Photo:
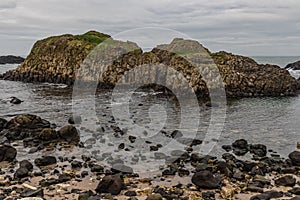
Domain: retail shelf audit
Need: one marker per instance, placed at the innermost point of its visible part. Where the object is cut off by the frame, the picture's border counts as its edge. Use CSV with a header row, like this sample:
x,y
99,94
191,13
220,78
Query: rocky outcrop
x,y
293,66
55,59
11,60
35,131
58,59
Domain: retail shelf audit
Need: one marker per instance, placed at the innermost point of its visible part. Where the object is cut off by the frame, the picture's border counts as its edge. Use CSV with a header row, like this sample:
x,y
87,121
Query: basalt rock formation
x,y
293,66
11,59
62,59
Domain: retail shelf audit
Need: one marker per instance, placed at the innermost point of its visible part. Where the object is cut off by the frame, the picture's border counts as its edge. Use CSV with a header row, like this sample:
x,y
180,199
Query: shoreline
x,y
201,176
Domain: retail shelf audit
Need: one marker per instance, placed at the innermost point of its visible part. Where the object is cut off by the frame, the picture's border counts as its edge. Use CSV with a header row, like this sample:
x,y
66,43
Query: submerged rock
x,y
15,100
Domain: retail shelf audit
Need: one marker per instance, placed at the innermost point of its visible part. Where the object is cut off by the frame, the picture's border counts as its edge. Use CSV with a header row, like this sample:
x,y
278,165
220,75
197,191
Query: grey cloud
x,y
7,4
254,27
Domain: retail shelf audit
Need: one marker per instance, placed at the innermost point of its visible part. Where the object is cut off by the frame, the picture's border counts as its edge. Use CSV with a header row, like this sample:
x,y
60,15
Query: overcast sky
x,y
256,27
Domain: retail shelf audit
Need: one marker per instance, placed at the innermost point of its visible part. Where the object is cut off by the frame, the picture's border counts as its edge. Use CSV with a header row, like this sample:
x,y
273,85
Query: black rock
x,y
206,180
7,153
295,157
45,161
240,144
238,175
176,134
24,127
76,164
48,134
97,168
286,181
183,172
21,173
75,120
254,188
15,100
110,184
267,195
208,195
258,149
227,147
121,146
240,152
228,157
295,191
293,66
26,164
153,148
132,138
130,193
83,196
225,169
211,104
84,174
69,133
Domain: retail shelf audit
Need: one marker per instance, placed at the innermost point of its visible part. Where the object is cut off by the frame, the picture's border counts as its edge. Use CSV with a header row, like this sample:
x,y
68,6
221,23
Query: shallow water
x,y
270,121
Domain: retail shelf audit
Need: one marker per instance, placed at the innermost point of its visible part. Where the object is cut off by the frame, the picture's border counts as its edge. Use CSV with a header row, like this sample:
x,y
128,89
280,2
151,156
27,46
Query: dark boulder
x,y
45,161
7,153
21,173
110,184
240,144
206,180
24,126
15,100
75,120
258,150
295,157
48,134
26,164
293,66
240,147
69,133
267,195
286,181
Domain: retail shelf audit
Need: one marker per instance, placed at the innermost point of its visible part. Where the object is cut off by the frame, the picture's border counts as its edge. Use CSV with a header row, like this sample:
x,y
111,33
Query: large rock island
x,y
56,59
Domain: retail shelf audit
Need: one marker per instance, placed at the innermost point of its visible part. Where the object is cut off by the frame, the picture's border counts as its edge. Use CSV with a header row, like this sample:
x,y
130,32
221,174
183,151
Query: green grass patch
x,y
93,37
